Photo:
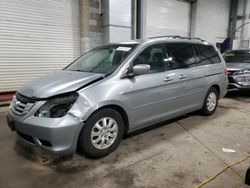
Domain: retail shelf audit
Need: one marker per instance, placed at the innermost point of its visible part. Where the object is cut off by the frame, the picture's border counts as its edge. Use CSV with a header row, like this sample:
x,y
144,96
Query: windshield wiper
x,y
106,75
79,70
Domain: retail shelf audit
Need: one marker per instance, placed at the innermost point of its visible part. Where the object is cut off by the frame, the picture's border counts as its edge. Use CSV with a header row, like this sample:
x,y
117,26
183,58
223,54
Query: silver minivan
x,y
115,89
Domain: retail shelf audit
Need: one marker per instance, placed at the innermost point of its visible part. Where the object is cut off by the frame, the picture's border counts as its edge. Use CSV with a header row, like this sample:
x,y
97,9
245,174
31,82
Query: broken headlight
x,y
57,107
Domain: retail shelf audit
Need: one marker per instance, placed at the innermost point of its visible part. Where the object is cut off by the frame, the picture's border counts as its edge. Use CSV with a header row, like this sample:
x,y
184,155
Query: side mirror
x,y
141,69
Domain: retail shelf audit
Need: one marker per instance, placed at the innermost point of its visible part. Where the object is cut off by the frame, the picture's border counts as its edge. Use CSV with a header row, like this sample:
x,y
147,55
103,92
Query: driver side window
x,y
154,56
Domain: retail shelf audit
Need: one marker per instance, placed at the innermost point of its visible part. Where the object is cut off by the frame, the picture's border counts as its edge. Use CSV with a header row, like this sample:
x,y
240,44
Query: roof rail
x,y
166,36
177,37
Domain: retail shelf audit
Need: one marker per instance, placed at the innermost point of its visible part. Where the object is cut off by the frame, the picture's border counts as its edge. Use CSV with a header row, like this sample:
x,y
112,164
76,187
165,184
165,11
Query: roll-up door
x,y
36,38
166,17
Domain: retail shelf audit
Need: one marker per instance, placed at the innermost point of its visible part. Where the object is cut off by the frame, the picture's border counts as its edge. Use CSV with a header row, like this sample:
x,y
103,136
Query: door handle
x,y
182,76
168,79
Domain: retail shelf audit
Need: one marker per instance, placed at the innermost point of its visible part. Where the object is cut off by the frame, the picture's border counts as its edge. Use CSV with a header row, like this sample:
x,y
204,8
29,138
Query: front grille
x,y
21,105
231,74
231,80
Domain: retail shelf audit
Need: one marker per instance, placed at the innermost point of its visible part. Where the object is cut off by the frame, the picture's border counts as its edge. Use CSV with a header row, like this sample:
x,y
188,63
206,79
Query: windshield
x,y
103,60
237,57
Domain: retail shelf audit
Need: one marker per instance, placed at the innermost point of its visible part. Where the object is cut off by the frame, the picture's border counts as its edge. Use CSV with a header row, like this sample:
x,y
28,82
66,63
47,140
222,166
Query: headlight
x,y
12,101
57,107
242,79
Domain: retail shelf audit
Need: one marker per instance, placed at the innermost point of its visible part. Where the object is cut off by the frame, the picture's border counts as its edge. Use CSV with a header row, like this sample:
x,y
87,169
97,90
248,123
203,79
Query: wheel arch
x,y
119,109
217,87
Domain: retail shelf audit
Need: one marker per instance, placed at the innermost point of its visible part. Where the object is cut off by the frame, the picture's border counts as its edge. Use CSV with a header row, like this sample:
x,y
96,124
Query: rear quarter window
x,y
206,54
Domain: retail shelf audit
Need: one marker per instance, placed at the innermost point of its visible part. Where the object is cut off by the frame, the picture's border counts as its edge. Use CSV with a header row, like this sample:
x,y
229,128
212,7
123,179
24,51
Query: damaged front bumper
x,y
58,135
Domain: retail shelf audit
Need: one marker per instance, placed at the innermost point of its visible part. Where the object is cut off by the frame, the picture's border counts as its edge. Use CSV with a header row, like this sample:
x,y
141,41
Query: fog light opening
x,y
45,143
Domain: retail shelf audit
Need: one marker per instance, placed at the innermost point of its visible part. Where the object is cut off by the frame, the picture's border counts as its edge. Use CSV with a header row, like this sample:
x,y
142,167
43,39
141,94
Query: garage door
x,y
166,17
36,37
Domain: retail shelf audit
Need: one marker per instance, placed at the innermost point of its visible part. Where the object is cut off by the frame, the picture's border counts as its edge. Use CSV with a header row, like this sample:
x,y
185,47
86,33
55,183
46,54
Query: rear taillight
x,y
225,71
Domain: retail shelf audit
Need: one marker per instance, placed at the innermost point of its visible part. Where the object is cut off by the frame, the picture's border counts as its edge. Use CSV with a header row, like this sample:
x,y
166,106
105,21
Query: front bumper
x,y
57,135
233,86
237,87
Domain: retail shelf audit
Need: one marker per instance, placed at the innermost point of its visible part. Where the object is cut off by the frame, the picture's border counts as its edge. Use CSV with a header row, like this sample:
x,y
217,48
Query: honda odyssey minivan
x,y
115,89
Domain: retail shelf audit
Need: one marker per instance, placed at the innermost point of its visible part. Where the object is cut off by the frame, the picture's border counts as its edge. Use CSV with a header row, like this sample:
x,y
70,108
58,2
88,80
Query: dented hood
x,y
57,83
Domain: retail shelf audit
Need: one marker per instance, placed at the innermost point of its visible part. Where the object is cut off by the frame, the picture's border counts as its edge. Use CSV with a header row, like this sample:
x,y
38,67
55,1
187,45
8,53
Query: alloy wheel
x,y
104,133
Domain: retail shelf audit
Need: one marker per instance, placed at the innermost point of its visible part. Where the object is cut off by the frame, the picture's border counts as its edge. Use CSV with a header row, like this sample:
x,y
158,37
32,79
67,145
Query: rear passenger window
x,y
180,55
206,55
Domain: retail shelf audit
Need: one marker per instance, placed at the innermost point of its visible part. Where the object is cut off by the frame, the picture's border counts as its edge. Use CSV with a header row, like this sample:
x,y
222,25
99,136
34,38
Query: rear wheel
x,y
210,102
101,134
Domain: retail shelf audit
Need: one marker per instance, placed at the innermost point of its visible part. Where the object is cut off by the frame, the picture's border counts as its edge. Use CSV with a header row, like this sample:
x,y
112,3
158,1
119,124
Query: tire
x,y
97,140
209,108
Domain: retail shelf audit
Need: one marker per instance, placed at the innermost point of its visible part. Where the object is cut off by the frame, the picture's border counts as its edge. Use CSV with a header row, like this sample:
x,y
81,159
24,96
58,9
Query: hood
x,y
57,83
237,66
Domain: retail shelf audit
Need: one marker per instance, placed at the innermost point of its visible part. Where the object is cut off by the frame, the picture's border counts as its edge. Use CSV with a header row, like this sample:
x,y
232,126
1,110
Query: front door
x,y
151,97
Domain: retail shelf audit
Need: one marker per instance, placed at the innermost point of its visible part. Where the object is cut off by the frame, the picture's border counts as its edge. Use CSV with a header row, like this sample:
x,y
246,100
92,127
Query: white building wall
x,y
246,28
210,20
242,29
116,20
90,24
240,33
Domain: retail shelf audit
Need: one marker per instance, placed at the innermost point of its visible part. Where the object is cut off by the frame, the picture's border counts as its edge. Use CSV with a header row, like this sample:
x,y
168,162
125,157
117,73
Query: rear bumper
x,y
57,135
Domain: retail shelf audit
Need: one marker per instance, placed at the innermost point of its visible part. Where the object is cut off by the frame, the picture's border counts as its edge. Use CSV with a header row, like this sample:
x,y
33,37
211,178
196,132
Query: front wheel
x,y
210,102
101,134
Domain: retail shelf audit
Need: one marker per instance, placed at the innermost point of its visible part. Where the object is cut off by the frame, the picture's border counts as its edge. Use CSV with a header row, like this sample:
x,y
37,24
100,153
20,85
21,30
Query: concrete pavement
x,y
179,153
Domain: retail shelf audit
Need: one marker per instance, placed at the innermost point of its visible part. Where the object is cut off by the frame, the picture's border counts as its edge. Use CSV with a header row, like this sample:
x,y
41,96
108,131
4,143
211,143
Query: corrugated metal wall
x,y
210,20
36,37
166,17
